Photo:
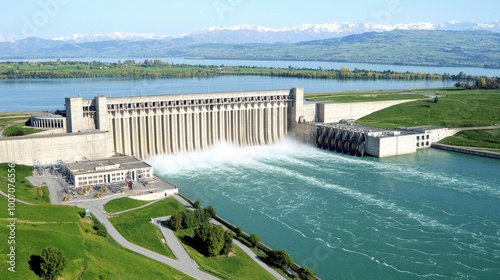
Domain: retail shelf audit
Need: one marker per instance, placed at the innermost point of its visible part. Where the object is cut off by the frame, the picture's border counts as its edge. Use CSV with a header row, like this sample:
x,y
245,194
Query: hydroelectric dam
x,y
146,126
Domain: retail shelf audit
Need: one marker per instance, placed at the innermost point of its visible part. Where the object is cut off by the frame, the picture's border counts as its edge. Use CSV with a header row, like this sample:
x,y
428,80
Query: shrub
x,y
52,263
280,258
175,222
213,240
99,228
254,240
306,273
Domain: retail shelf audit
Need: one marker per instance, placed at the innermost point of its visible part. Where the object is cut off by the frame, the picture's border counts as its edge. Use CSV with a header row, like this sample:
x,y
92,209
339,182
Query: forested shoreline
x,y
160,69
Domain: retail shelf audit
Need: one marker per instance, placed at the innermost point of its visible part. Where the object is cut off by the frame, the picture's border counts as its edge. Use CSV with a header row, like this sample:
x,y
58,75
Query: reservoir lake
x,y
430,215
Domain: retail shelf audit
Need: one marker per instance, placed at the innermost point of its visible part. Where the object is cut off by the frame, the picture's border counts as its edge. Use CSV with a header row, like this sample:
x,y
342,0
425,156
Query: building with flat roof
x,y
113,170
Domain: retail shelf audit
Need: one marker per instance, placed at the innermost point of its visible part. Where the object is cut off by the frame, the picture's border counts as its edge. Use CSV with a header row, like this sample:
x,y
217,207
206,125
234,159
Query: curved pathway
x,y
97,209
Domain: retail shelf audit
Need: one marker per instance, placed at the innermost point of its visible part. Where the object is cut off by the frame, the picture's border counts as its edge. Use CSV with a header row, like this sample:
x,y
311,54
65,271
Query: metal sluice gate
x,y
341,139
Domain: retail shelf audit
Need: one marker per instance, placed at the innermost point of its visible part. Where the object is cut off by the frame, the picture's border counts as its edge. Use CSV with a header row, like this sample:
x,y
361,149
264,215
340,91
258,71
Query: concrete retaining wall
x,y
49,149
334,112
155,195
466,151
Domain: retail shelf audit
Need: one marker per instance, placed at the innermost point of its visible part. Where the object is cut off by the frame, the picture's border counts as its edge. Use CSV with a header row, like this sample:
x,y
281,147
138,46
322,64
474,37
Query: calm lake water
x,y
432,215
49,94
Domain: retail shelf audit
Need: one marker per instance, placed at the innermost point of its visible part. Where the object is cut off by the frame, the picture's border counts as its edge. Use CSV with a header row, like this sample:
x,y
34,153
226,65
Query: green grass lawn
x,y
239,266
19,127
24,190
88,256
455,108
475,138
136,228
123,203
10,123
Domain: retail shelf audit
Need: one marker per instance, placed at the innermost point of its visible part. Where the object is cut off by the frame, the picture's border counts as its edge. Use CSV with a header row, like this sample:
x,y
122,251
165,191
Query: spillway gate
x,y
342,139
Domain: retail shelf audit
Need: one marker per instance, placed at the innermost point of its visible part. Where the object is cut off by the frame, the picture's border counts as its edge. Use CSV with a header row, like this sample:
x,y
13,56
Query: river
x,y
433,214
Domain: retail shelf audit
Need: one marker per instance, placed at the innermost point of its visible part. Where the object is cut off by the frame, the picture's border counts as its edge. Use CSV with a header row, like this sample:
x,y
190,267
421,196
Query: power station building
x,y
114,170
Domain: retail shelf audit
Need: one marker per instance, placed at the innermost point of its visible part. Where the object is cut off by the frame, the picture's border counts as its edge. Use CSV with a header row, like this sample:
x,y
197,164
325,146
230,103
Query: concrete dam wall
x,y
145,126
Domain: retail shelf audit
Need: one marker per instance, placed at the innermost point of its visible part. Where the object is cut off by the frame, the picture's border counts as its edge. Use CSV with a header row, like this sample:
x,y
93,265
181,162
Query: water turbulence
x,y
429,215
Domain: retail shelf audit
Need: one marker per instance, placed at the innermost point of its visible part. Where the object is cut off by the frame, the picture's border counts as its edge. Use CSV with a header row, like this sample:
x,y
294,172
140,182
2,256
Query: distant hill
x,y
403,47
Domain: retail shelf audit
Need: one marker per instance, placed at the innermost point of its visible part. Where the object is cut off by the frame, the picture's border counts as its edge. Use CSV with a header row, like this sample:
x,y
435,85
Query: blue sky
x,y
51,18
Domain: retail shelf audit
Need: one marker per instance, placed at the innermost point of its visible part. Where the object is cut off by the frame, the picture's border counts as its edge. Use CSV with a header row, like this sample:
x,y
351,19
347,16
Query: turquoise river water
x,y
433,214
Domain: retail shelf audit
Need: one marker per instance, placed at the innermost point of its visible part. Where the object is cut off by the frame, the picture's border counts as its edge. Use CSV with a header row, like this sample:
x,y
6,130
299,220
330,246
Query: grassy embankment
x,y
454,108
136,228
485,139
10,125
88,255
239,266
123,203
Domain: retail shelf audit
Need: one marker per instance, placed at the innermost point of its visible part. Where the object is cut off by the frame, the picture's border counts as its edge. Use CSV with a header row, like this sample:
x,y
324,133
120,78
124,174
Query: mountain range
x,y
244,34
451,44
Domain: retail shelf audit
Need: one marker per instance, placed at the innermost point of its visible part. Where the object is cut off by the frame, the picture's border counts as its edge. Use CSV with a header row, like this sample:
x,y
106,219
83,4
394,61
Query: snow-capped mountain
x,y
243,34
115,35
8,39
306,32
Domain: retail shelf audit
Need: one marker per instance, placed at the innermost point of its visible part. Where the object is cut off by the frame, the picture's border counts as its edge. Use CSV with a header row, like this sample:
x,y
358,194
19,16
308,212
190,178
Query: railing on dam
x,y
342,139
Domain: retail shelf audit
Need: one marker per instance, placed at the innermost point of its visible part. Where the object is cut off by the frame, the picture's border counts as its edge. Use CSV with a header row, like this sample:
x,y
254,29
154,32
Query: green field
x,y
10,123
19,127
88,256
489,139
24,190
239,266
454,108
123,203
136,228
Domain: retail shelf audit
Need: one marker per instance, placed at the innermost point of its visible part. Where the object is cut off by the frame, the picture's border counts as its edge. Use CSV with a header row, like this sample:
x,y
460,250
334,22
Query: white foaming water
x,y
224,154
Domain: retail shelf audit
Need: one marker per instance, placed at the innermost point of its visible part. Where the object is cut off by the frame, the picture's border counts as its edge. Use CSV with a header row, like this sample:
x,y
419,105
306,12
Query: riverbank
x,y
466,150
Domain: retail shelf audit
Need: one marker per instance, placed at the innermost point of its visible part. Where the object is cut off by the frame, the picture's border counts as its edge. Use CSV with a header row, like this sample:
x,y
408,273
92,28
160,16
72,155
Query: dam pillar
x,y
74,114
101,118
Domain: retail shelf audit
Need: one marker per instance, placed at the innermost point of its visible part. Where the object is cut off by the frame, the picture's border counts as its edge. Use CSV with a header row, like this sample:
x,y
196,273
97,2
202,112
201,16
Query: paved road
x,y
96,207
174,244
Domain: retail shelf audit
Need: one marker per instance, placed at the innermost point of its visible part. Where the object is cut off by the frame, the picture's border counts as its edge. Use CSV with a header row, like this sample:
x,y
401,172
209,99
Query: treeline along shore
x,y
160,69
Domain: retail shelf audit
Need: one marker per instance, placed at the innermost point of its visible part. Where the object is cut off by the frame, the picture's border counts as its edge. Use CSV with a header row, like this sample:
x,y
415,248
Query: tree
x,y
254,240
197,204
210,212
238,231
280,258
175,222
52,263
188,219
228,243
306,273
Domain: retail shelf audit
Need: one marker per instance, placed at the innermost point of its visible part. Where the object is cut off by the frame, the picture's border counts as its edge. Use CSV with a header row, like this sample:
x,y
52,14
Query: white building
x,y
114,170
